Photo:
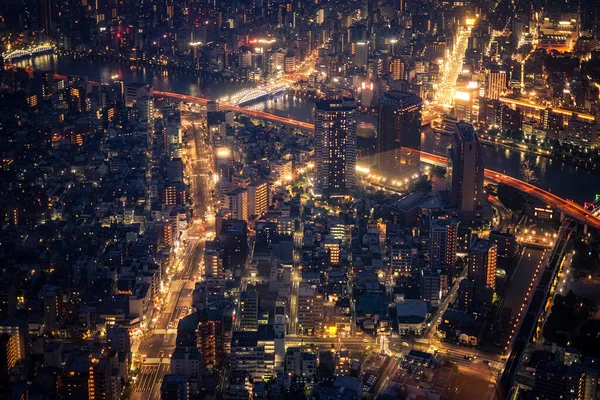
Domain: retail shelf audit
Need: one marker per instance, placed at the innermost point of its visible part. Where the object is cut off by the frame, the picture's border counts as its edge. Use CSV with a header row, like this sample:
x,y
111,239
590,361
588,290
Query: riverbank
x,y
533,150
562,178
157,66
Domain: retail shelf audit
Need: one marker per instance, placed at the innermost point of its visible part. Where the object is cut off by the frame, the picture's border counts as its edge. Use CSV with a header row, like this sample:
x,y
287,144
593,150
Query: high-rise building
x,y
397,68
236,202
398,134
174,387
222,159
51,308
401,259
213,260
187,361
466,104
46,17
215,124
431,286
253,352
443,242
135,92
473,297
8,353
464,238
335,146
210,337
310,309
482,262
164,232
361,54
145,106
258,198
13,346
495,82
175,170
248,311
233,237
466,169
332,250
104,381
205,31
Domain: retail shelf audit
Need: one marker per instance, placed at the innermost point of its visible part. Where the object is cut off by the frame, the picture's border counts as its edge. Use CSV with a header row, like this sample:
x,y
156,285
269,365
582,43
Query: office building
x,y
51,309
300,364
135,92
495,82
466,104
431,286
175,170
443,242
253,352
215,125
145,107
75,377
205,31
465,170
398,134
473,297
222,159
505,242
310,310
233,237
335,147
401,259
248,311
482,262
213,260
174,387
361,54
187,361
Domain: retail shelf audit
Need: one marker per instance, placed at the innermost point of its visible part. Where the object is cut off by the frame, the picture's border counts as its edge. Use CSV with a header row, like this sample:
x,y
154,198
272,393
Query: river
x,y
565,180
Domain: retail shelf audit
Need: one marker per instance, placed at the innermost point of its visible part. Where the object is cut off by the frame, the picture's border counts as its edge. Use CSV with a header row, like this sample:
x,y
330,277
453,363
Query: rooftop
x,y
346,104
465,131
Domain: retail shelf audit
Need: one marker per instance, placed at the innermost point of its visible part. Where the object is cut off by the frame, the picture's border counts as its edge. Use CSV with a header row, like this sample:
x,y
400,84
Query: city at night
x,y
300,199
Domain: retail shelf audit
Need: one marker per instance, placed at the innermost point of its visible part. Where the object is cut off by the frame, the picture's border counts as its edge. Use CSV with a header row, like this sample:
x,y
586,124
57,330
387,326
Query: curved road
x,y
568,207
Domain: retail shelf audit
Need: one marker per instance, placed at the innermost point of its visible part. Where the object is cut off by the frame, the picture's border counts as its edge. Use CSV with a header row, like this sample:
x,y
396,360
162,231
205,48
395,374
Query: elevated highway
x,y
568,207
251,113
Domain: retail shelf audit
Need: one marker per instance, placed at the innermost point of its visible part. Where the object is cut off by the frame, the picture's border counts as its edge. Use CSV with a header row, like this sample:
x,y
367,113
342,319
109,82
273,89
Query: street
x,y
155,347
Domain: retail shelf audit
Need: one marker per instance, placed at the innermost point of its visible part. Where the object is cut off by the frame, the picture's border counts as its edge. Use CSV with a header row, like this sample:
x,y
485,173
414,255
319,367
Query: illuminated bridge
x,y
28,52
570,208
251,113
248,95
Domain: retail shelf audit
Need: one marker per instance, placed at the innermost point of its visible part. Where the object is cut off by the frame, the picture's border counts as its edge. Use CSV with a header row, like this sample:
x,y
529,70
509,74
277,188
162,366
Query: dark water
x,y
562,179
